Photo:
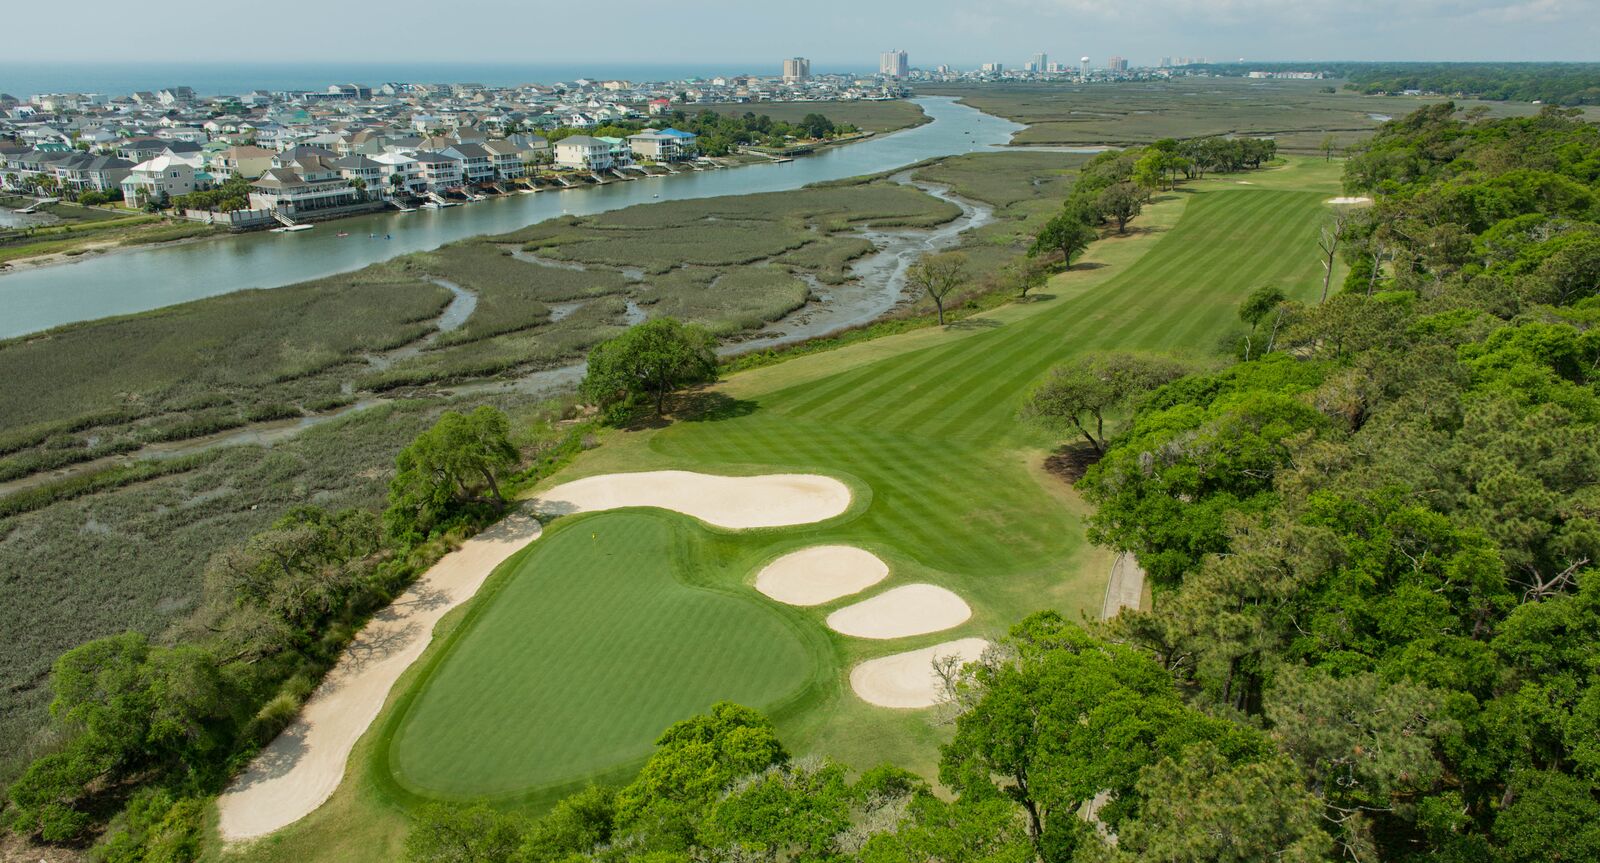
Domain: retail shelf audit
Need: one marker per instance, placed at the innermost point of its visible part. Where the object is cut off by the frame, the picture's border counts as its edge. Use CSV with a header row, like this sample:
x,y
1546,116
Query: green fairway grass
x,y
934,434
926,420
610,628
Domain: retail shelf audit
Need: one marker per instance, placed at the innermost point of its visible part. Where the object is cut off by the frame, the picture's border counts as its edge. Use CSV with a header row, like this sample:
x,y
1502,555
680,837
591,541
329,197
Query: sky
x,y
837,34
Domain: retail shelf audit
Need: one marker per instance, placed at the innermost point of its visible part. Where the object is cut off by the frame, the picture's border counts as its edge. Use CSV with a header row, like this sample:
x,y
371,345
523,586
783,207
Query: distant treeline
x,y
1551,83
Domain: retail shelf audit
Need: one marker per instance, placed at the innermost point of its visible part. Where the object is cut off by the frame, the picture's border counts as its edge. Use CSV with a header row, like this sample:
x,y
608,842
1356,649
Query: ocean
x,y
227,79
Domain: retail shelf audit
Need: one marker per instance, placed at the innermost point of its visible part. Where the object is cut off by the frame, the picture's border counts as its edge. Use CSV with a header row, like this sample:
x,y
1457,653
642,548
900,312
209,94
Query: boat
x,y
431,205
343,234
408,209
289,229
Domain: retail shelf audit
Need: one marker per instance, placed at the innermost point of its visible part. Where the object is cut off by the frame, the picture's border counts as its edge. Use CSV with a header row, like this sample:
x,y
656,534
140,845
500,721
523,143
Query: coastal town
x,y
282,159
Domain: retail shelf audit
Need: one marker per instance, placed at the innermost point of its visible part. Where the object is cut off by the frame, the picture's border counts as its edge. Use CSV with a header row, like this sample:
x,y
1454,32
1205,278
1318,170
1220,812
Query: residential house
x,y
356,168
85,172
437,171
477,163
506,158
664,145
164,176
582,151
241,161
292,193
621,154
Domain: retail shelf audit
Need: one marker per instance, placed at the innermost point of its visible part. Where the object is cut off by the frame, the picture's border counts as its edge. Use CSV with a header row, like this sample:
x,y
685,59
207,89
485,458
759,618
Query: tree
x,y
1065,232
447,466
937,276
1553,819
576,825
651,360
1082,390
1328,240
695,761
1055,718
1029,273
1328,145
1121,201
1364,744
449,833
790,811
1202,809
1150,172
1262,302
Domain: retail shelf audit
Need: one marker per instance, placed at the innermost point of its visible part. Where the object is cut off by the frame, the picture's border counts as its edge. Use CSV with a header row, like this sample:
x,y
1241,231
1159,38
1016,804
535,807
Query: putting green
x,y
594,642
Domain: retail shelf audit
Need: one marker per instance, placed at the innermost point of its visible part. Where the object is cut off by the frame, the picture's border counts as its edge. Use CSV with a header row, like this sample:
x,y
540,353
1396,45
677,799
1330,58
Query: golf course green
x,y
950,490
605,629
618,624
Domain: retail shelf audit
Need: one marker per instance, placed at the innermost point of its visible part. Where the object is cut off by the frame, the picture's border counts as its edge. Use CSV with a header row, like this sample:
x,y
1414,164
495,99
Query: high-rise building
x,y
1041,61
1116,65
1166,62
894,64
796,69
992,68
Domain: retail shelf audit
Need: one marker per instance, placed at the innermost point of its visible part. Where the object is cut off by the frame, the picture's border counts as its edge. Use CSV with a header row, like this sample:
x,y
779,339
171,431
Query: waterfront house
x,y
477,163
582,151
356,167
242,161
620,153
438,171
292,194
162,177
86,172
506,158
664,145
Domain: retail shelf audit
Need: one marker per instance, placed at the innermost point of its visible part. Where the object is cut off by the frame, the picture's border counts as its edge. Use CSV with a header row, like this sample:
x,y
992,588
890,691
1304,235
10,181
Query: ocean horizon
x,y
230,79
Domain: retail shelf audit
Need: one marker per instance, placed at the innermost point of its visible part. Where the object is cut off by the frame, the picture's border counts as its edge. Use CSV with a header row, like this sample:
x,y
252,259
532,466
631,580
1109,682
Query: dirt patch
x,y
1072,461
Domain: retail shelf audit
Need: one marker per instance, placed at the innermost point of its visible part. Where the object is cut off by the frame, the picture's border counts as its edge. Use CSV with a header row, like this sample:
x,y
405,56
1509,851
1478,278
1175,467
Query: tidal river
x,y
134,281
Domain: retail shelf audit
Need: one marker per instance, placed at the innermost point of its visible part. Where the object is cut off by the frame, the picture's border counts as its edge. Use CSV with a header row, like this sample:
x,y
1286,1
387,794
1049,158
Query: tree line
x,y
722,134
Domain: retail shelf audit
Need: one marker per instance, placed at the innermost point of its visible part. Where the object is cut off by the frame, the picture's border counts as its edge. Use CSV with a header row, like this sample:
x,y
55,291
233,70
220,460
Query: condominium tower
x,y
796,69
894,64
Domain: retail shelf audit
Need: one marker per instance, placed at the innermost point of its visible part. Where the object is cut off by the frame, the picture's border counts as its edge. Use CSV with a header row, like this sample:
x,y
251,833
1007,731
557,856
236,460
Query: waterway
x,y
124,282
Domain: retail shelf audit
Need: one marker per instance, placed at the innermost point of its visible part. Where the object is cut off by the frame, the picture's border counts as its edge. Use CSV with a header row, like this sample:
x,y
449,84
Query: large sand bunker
x,y
300,769
821,573
773,500
914,609
908,680
1359,199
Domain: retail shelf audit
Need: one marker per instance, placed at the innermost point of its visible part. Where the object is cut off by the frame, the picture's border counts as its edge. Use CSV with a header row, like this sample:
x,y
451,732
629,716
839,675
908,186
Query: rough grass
x,y
727,302
512,295
226,347
1297,113
571,635
130,555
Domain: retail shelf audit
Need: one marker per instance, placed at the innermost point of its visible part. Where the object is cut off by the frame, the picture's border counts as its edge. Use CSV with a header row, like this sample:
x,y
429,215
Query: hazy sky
x,y
834,33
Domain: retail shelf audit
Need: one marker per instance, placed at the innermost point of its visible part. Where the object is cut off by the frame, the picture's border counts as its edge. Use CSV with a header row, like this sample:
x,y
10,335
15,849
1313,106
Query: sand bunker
x,y
773,500
822,573
914,609
908,680
302,767
1363,199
